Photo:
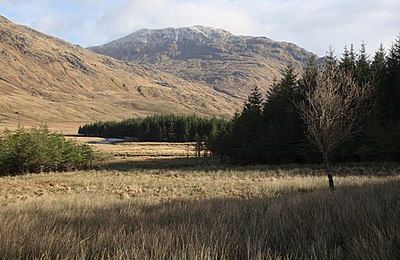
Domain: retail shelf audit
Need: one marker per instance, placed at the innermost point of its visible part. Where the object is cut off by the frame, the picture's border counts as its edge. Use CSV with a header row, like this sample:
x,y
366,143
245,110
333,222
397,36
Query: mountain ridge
x,y
229,63
47,79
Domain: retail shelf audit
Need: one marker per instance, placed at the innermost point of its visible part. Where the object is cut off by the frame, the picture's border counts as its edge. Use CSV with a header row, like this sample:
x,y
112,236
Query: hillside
x,y
45,79
229,63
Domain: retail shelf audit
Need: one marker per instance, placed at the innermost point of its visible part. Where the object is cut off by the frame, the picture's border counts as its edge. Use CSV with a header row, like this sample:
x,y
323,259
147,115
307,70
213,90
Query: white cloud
x,y
137,14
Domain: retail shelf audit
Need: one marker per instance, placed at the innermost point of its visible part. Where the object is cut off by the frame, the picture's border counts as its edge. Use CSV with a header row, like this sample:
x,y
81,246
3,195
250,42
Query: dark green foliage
x,y
267,131
348,61
220,141
246,129
362,73
39,150
380,138
391,95
283,136
158,128
271,131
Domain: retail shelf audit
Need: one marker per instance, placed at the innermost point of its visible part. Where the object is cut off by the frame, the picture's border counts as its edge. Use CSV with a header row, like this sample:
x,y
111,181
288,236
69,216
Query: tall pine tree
x,y
392,89
283,134
363,74
347,62
246,130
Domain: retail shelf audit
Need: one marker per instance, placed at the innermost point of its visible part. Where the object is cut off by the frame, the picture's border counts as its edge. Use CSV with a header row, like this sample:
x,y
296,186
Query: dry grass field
x,y
173,207
138,150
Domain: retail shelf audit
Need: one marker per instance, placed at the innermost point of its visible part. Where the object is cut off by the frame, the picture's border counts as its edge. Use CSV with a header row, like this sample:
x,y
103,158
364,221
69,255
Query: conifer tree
x,y
392,85
363,67
246,129
391,98
378,74
353,56
254,103
347,62
282,124
378,65
309,76
372,140
330,58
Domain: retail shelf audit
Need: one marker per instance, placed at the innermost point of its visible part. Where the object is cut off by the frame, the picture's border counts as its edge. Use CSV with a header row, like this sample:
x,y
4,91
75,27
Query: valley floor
x,y
185,208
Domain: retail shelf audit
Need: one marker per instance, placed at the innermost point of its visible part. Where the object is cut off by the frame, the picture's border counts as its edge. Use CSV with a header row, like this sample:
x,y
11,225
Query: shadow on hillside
x,y
352,222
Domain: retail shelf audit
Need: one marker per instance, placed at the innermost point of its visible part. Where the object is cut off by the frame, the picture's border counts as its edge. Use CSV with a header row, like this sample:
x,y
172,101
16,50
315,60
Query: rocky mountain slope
x,y
229,63
45,79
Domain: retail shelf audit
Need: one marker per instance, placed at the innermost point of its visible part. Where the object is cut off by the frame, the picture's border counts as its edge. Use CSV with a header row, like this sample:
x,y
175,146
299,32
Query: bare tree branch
x,y
332,108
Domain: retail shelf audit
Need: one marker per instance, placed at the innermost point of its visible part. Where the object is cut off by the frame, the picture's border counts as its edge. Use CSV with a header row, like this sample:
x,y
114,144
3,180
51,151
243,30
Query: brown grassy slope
x,y
230,63
46,79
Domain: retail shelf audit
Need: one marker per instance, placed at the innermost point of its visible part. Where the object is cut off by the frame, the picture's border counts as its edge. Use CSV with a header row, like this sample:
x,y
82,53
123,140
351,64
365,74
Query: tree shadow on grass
x,y
352,222
211,165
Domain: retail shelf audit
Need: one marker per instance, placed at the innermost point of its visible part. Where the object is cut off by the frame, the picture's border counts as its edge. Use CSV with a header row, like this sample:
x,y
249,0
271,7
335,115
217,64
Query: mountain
x,y
45,79
229,63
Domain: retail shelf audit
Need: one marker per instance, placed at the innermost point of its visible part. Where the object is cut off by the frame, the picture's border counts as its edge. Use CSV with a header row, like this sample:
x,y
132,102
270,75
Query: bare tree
x,y
332,107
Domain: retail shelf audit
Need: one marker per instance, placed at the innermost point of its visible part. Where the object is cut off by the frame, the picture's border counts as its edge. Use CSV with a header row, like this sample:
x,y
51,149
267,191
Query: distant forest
x,y
270,129
158,128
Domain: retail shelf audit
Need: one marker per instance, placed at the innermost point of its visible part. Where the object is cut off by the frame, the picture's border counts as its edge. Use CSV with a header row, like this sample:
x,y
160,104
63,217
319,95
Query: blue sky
x,y
313,24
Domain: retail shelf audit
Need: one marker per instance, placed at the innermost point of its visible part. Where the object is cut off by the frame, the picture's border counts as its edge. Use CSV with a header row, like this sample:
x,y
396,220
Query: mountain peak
x,y
206,30
229,63
174,34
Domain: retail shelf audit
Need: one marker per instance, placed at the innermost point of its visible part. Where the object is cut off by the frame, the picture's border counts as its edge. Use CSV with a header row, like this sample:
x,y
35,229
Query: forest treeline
x,y
157,128
271,130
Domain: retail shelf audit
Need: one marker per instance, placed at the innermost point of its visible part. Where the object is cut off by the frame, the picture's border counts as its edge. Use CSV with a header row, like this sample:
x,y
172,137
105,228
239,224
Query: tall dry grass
x,y
220,214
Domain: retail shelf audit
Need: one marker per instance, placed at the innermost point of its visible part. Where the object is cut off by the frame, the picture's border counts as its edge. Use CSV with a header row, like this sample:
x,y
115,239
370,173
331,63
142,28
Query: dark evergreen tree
x,y
347,150
372,139
378,68
392,86
309,76
362,73
308,81
246,130
283,134
391,98
330,58
219,141
347,62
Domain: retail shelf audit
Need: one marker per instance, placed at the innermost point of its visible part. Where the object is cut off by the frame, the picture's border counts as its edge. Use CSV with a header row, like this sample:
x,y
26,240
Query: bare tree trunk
x,y
328,171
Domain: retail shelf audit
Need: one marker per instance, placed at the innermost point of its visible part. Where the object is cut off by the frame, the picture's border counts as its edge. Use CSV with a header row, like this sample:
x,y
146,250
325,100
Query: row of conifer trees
x,y
269,129
157,128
